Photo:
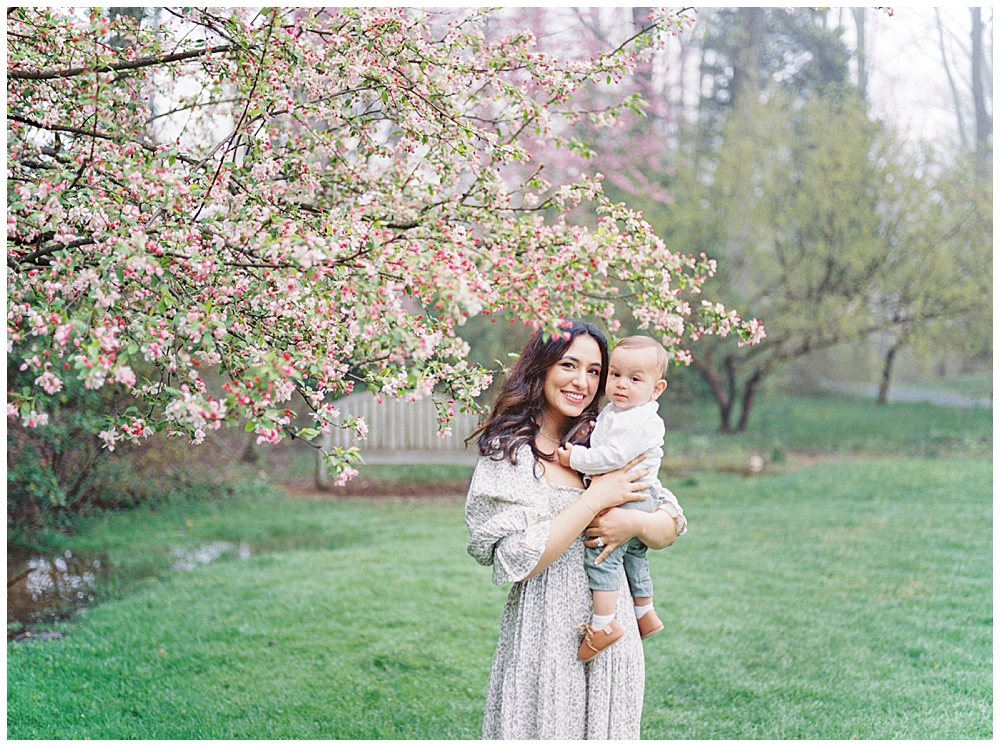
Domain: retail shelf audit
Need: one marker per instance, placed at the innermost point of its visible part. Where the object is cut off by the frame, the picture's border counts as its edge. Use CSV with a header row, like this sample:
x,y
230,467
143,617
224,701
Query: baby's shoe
x,y
649,624
595,641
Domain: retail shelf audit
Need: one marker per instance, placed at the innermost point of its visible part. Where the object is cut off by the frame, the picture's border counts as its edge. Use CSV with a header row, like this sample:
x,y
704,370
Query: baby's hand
x,y
563,455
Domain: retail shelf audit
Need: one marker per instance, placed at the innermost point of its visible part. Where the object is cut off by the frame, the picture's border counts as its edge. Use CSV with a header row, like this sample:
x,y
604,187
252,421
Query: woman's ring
x,y
600,542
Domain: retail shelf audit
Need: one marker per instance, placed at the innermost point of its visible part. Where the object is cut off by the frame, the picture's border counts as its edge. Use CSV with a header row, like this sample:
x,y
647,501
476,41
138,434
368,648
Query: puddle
x,y
45,589
48,588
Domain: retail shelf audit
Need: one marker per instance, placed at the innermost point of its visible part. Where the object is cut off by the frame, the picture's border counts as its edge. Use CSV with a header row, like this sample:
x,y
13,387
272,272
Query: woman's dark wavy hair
x,y
515,415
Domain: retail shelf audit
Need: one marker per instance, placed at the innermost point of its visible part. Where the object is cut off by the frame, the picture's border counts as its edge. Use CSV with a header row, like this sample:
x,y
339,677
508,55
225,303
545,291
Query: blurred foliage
x,y
791,205
830,229
940,287
49,466
788,51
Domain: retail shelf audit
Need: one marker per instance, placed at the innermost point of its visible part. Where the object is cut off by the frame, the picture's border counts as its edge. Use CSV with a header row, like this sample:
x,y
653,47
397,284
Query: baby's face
x,y
633,378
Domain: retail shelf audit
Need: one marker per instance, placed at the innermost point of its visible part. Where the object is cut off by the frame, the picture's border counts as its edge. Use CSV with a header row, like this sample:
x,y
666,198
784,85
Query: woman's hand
x,y
615,488
609,529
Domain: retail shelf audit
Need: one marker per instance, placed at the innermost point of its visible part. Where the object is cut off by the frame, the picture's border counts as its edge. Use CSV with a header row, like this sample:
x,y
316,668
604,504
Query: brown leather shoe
x,y
595,641
649,624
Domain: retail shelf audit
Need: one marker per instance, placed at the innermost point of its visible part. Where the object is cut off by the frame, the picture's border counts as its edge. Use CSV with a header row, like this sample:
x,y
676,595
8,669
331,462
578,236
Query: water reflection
x,y
53,588
188,560
48,588
47,580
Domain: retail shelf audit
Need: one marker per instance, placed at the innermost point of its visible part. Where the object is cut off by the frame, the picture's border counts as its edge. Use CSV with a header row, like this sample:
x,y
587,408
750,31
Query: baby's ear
x,y
659,387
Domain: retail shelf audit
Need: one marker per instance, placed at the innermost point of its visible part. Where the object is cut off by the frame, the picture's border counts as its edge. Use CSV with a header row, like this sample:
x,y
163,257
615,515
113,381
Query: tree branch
x,y
95,133
134,65
46,250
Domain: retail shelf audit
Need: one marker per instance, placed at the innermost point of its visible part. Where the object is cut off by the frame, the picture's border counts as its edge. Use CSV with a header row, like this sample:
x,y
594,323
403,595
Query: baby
x,y
627,427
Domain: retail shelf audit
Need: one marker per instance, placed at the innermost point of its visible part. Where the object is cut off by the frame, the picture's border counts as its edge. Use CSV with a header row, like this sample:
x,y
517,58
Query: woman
x,y
526,514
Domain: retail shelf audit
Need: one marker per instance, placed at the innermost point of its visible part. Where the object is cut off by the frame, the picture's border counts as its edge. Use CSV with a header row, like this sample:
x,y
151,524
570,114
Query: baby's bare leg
x,y
605,602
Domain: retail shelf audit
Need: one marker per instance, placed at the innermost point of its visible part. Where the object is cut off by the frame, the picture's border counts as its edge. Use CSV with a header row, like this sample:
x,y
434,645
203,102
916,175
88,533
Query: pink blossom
x,y
49,382
34,419
346,474
109,438
125,376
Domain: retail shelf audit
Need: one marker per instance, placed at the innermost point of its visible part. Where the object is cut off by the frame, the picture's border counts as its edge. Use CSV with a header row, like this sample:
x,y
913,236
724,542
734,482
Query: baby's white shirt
x,y
619,436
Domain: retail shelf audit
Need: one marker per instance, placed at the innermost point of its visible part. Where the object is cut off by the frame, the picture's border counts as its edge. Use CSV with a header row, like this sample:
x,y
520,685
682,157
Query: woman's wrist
x,y
586,503
596,497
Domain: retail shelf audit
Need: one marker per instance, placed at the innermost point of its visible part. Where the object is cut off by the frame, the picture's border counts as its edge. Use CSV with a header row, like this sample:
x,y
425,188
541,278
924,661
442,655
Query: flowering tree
x,y
630,150
305,201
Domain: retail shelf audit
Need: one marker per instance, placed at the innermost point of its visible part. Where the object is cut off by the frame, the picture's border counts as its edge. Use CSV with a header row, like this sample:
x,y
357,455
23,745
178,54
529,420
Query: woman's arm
x,y
605,491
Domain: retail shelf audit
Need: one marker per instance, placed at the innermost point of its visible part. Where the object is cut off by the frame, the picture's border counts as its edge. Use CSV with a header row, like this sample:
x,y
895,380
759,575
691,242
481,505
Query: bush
x,y
59,470
48,466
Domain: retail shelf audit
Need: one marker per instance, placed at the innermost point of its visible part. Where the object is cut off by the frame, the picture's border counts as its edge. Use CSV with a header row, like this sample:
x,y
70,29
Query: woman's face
x,y
572,383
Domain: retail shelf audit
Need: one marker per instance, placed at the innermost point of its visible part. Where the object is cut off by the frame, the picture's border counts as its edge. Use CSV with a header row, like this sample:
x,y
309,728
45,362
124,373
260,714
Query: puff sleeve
x,y
668,503
508,528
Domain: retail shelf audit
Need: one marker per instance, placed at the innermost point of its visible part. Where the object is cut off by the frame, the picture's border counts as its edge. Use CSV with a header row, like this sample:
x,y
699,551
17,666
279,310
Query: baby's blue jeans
x,y
631,555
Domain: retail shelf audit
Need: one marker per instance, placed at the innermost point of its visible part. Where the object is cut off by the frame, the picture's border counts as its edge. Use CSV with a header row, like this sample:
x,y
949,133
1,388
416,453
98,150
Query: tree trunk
x,y
883,387
861,53
725,414
984,124
250,455
322,478
640,17
711,375
731,377
749,396
750,58
951,82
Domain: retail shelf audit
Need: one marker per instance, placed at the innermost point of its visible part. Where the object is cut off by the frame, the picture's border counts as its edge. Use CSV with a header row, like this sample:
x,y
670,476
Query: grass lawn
x,y
844,600
781,425
975,385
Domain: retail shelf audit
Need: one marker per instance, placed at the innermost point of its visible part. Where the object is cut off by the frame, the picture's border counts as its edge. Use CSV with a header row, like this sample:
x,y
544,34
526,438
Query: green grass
x,y
845,600
781,424
327,638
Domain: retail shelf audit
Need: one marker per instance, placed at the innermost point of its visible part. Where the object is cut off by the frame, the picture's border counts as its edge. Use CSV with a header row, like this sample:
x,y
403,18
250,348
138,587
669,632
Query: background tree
x,y
937,288
981,72
624,143
750,179
318,202
798,202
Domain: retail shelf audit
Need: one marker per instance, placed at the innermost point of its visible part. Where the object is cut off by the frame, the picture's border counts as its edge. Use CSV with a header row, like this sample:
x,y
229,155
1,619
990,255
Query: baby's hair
x,y
641,342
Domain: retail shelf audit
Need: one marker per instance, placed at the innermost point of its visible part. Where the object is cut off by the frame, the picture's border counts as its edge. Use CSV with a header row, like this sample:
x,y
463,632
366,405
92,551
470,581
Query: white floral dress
x,y
538,689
